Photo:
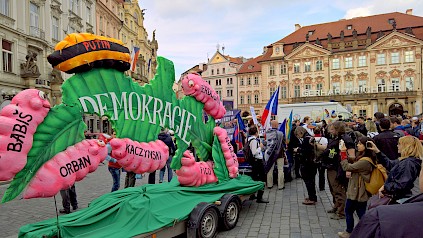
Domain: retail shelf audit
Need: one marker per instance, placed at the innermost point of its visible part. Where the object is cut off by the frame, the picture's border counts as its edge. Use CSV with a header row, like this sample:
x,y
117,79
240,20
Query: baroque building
x,y
29,30
134,34
368,64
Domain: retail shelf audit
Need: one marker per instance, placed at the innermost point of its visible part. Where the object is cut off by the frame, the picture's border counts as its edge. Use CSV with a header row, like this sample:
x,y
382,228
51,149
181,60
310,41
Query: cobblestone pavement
x,y
284,216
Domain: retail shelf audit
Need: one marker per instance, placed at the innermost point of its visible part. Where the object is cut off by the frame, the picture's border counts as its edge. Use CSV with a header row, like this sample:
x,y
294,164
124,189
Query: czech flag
x,y
271,109
134,58
238,127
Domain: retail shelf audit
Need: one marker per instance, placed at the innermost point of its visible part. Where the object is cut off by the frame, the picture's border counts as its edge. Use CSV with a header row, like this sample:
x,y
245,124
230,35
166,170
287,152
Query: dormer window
x,y
349,27
310,33
391,20
250,67
277,50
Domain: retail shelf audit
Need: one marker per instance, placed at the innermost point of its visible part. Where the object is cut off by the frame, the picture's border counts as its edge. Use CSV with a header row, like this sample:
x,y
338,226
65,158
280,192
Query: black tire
x,y
208,224
230,208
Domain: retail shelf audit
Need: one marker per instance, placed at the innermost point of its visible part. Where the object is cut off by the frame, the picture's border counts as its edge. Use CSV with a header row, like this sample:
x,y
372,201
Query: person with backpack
x,y
274,153
360,169
402,171
254,155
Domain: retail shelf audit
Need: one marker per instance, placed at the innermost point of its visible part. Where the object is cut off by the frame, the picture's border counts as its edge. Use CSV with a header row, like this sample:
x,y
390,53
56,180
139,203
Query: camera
x,y
368,144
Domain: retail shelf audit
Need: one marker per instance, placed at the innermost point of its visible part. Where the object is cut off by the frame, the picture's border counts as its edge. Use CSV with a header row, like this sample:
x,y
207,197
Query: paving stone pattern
x,y
284,216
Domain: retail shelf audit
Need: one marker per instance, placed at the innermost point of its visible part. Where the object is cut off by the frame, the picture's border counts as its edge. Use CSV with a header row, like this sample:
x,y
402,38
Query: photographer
x,y
308,168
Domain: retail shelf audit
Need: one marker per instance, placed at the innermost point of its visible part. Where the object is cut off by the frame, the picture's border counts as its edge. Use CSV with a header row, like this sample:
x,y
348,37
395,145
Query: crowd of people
x,y
347,152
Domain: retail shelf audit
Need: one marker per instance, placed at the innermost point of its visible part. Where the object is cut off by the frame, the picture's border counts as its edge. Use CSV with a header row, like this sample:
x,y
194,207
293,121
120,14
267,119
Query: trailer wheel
x,y
208,224
203,221
230,208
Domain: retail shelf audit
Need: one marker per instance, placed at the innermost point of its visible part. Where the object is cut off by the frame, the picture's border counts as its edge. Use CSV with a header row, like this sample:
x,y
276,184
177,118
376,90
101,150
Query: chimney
x,y
297,26
409,11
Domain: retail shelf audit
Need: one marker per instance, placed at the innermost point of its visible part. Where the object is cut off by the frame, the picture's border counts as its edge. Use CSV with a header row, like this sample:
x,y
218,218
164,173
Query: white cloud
x,y
358,12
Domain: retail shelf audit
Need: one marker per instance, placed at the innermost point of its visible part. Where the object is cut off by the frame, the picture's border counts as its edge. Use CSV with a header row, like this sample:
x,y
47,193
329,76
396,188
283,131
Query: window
x,y
362,113
272,90
228,81
409,83
362,86
241,82
229,93
391,20
248,99
362,61
395,58
219,93
217,71
89,14
256,80
34,15
212,72
272,70
380,59
223,70
319,87
296,67
256,99
349,86
218,82
319,65
7,56
283,68
395,84
307,67
381,87
283,92
248,81
336,87
348,62
349,27
5,7
100,25
409,56
308,87
55,28
335,64
242,99
297,91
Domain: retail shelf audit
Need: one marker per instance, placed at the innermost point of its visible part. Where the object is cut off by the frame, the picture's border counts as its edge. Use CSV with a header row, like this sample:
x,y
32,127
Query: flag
x,y
149,64
134,58
271,108
253,114
288,128
237,138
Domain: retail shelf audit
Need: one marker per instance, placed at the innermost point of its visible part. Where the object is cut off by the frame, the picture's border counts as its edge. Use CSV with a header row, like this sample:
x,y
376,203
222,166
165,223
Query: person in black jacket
x,y
167,139
361,126
387,140
402,171
308,168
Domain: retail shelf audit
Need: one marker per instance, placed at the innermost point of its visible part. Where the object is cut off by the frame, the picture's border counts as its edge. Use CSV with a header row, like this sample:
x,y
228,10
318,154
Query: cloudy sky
x,y
188,31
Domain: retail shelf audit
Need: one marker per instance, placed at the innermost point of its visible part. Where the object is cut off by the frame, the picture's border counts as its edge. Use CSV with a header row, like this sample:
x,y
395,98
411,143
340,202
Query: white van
x,y
324,110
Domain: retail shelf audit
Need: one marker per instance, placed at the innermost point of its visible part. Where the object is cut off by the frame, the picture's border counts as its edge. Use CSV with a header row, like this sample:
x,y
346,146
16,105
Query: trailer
x,y
154,210
324,110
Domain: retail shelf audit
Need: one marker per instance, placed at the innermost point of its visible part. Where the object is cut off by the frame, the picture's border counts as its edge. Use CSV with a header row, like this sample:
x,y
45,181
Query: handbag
x,y
376,201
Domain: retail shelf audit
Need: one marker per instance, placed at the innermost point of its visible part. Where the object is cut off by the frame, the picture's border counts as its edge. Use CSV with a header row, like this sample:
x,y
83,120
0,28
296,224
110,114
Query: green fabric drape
x,y
138,210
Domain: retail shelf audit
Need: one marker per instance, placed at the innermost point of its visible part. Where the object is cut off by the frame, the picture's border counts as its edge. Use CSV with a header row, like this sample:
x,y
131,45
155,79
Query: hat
x,y
414,119
171,132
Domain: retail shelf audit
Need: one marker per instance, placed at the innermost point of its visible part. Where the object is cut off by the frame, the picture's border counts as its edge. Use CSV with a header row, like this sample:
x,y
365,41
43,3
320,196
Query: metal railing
x,y
37,32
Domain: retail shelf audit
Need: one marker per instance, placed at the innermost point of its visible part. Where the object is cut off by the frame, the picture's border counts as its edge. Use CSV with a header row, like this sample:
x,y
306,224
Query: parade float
x,y
43,148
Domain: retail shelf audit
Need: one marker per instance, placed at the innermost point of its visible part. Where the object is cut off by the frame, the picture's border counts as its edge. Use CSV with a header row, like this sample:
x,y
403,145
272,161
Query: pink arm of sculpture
x,y
195,173
228,151
67,167
19,121
195,86
140,157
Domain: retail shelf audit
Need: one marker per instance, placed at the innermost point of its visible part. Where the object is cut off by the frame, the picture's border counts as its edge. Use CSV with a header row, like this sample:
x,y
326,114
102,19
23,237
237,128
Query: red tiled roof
x,y
251,66
360,24
376,22
237,60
